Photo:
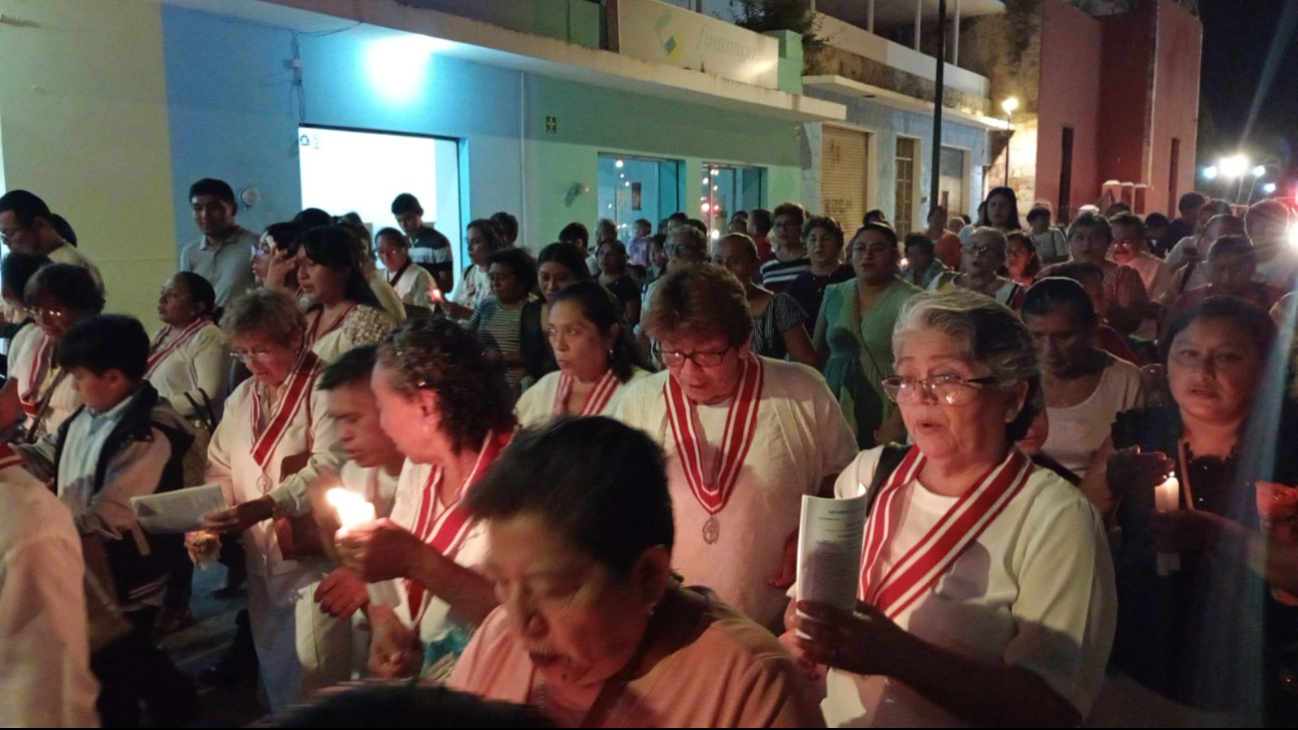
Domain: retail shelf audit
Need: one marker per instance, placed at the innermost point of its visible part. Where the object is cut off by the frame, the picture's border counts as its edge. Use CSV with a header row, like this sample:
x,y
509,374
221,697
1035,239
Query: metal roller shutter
x,y
844,175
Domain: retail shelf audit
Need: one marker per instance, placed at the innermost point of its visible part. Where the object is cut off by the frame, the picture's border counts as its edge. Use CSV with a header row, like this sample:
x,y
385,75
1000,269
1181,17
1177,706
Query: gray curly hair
x,y
989,333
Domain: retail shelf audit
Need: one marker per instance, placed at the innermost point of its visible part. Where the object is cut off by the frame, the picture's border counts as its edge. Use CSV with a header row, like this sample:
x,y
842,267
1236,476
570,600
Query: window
x,y
631,188
1174,169
907,157
952,181
727,189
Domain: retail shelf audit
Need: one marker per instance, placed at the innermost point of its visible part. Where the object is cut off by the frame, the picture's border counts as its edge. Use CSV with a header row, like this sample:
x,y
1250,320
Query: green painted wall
x,y
591,120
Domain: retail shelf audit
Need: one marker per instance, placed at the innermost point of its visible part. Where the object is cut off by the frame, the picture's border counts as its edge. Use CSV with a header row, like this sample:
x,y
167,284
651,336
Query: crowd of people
x,y
582,471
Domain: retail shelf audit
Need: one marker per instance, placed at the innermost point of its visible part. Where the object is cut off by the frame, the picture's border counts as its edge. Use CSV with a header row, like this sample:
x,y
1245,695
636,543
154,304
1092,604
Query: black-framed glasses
x,y
952,390
704,359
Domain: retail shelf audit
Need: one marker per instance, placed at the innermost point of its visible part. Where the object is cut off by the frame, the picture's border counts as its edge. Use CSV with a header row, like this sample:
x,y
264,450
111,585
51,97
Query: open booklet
x,y
179,511
829,550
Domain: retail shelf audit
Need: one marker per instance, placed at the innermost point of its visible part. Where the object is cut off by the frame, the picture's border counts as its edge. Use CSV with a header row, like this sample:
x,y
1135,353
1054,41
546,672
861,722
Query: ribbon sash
x,y
157,353
30,397
314,334
596,399
297,389
741,424
929,559
446,532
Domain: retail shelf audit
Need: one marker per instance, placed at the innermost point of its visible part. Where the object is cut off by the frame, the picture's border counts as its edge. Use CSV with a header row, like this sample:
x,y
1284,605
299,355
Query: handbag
x,y
194,464
298,537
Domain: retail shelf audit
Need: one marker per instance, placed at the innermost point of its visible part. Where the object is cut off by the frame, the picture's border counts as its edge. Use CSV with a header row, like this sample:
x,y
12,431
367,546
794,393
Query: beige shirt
x,y
200,363
45,676
735,674
68,254
801,438
536,406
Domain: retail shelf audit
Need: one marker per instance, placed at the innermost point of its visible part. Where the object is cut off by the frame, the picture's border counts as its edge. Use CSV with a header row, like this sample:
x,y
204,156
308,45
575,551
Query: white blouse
x,y
22,361
536,406
201,363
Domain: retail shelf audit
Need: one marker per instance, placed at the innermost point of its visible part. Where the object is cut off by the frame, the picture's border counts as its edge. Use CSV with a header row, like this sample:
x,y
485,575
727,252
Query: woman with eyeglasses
x,y
596,353
746,438
344,311
275,439
853,334
39,395
984,258
986,591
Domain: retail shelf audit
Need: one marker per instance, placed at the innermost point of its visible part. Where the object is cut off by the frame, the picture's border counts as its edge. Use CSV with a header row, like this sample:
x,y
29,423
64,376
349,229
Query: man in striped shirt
x,y
790,251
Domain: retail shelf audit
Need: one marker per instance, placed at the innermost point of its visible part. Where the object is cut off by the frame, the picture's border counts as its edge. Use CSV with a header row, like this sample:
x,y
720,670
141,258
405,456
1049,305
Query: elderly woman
x,y
984,259
344,312
824,239
39,395
986,585
1191,641
596,354
1084,386
445,406
779,324
853,334
747,437
276,437
594,630
1126,299
410,280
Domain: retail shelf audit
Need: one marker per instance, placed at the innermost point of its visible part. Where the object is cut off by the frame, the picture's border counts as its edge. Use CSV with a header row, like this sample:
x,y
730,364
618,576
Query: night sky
x,y
1237,38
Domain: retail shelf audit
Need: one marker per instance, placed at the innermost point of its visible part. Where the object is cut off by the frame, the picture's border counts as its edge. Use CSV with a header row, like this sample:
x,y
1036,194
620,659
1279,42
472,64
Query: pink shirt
x,y
734,674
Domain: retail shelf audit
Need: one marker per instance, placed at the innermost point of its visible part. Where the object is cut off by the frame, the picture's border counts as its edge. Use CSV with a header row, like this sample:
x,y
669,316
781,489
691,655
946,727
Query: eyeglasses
x,y
983,250
48,312
952,390
261,356
674,358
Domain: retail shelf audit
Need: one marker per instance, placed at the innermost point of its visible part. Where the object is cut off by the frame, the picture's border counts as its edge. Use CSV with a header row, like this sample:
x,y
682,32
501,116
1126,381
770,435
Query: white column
x,y
869,15
955,36
919,16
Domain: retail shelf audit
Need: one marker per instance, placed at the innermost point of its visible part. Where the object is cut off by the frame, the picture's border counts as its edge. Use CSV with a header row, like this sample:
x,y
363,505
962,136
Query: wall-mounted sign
x,y
654,31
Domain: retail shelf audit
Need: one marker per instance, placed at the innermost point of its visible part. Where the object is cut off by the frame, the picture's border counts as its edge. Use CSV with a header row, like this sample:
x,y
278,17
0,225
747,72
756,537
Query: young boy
x,y
123,442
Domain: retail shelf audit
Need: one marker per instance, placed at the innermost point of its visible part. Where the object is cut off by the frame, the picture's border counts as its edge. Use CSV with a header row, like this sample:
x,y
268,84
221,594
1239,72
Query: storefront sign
x,y
654,31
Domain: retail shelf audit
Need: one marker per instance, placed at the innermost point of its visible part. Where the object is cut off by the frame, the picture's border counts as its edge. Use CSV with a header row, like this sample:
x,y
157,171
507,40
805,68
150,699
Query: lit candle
x,y
353,511
352,508
1167,498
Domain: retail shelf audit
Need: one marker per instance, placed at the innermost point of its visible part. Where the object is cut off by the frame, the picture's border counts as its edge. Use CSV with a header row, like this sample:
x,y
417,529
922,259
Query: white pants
x,y
300,647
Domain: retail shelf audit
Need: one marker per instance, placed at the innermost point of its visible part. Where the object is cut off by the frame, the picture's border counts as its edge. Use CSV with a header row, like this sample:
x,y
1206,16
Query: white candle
x,y
1167,498
353,511
352,508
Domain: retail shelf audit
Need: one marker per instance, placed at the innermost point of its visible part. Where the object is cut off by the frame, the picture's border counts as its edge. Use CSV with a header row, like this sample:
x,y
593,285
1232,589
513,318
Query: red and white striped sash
x,y
158,352
929,559
596,399
741,423
446,532
297,389
313,333
30,395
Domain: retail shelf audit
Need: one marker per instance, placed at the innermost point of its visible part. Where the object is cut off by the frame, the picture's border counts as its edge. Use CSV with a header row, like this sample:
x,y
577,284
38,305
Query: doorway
x,y
632,188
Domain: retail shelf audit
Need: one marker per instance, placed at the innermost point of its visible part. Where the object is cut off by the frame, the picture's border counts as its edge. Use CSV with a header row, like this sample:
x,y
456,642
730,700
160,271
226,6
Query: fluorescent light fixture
x,y
397,66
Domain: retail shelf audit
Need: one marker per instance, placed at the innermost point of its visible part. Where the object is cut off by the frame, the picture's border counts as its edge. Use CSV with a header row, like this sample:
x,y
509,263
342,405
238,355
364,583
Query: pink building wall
x,y
1175,112
1071,52
1126,71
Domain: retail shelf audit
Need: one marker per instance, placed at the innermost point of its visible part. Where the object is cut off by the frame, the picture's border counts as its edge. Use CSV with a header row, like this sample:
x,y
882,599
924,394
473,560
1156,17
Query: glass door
x,y
726,190
633,188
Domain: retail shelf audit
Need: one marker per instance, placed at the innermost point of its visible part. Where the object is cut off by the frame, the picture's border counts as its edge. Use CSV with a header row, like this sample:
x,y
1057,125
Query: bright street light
x,y
1259,171
1210,172
1233,166
1268,188
1010,105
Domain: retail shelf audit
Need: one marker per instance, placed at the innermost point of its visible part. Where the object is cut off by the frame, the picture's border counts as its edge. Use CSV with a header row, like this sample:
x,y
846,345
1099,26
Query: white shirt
x,y
1051,245
1077,432
801,438
1280,271
412,285
1034,591
1157,278
200,363
537,403
1176,257
45,674
388,298
22,361
437,620
371,482
68,254
474,286
230,464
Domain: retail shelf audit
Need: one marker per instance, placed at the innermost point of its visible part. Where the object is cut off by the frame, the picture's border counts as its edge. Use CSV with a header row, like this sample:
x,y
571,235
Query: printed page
x,y
829,550
179,511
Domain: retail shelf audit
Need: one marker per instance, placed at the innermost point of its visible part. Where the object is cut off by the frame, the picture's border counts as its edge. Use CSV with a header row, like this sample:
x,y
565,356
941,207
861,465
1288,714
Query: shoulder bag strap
x,y
889,460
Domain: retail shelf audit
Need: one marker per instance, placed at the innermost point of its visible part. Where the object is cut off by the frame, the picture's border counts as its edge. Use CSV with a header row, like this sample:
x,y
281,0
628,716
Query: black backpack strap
x,y
889,460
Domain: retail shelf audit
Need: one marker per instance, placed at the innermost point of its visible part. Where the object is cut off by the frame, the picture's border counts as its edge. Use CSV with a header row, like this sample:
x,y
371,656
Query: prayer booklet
x,y
179,511
829,550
